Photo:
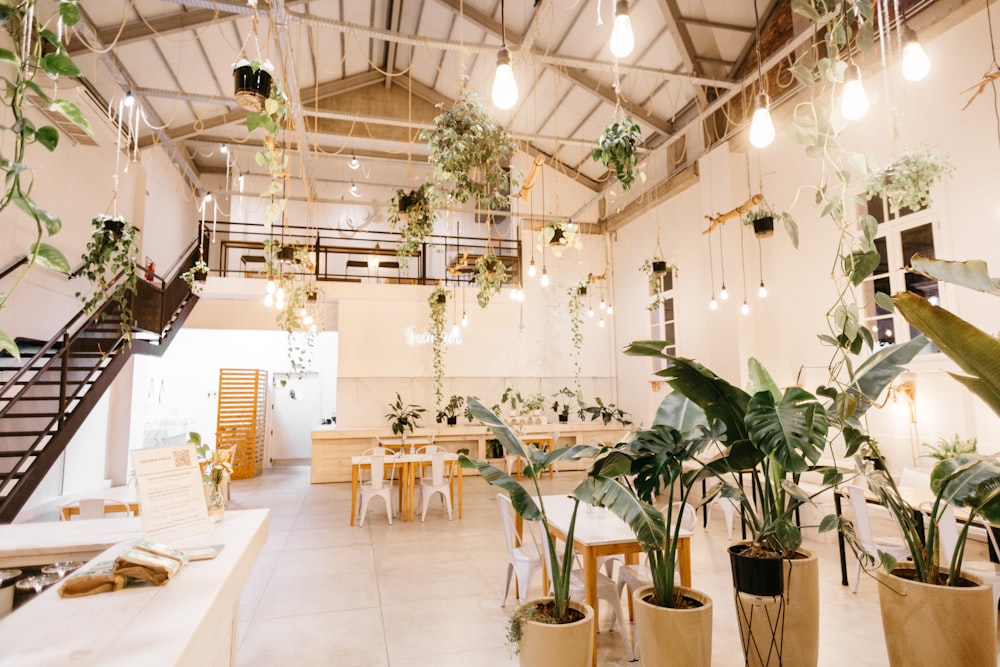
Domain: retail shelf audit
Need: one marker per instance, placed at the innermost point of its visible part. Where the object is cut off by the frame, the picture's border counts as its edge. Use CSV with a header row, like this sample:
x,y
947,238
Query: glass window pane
x,y
876,209
668,281
917,239
668,332
883,265
668,310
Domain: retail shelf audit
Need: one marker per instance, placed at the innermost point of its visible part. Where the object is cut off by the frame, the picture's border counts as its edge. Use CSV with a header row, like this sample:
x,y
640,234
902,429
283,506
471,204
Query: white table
x,y
598,532
408,464
191,621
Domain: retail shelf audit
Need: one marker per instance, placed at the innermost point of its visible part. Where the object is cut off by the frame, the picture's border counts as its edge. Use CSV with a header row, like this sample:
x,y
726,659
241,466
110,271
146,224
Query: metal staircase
x,y
47,395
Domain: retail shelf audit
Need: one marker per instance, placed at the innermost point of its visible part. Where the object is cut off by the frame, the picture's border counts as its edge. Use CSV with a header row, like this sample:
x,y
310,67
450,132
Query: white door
x,y
295,412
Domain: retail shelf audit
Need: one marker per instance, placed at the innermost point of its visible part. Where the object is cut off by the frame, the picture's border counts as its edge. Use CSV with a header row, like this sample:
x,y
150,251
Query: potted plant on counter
x,y
450,411
606,413
551,630
403,417
562,403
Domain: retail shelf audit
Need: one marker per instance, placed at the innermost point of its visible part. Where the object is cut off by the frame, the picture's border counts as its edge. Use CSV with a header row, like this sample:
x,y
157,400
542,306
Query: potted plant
x,y
949,612
617,148
413,213
606,413
112,253
216,471
561,404
575,292
491,274
403,417
252,83
438,302
272,116
449,412
468,148
548,630
196,276
906,181
673,624
560,235
761,219
655,269
950,448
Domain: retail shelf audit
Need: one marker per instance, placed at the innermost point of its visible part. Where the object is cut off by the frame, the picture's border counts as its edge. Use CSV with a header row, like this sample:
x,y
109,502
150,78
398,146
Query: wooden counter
x,y
332,447
190,621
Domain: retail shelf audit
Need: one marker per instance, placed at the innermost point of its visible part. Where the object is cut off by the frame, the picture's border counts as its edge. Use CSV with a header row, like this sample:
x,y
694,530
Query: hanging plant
x,y
300,318
762,218
575,292
468,148
112,252
560,235
272,117
34,49
907,180
438,301
491,274
654,270
617,148
413,213
195,276
252,83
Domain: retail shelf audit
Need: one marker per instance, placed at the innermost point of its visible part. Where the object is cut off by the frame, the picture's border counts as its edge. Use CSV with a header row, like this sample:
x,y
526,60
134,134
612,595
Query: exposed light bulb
x,y
372,262
762,127
504,84
854,99
531,268
520,296
455,331
268,300
545,277
129,100
603,305
224,149
354,163
724,293
308,319
271,287
513,294
916,64
622,39
303,312
279,295
465,319
713,304
590,312
312,329
207,198
762,292
601,323
610,309
745,308
888,333
354,190
240,179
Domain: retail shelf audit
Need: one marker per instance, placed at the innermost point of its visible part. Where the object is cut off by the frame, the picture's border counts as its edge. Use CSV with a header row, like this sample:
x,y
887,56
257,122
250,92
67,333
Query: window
x,y
661,316
899,238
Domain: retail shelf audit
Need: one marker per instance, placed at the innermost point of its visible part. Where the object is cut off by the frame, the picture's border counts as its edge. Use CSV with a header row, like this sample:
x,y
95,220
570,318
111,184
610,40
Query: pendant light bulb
x,y
279,295
513,293
762,127
455,333
854,99
601,323
129,100
590,312
603,305
531,268
622,39
745,308
308,319
271,287
610,309
724,293
713,304
465,319
916,64
268,300
762,292
504,84
354,163
545,277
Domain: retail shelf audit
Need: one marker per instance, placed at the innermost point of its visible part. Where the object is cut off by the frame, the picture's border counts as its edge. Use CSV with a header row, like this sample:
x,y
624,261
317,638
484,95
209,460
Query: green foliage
x,y
403,417
606,413
653,278
906,181
468,148
575,304
948,448
491,274
111,254
559,235
413,213
562,403
450,410
438,302
299,313
272,118
617,148
34,49
195,276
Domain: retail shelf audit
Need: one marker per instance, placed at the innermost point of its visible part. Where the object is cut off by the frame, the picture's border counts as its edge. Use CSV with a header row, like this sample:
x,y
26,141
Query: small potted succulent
x,y
252,82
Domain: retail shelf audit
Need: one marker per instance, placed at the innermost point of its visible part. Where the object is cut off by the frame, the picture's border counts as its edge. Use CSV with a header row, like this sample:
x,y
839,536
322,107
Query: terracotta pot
x,y
673,637
794,613
927,625
566,645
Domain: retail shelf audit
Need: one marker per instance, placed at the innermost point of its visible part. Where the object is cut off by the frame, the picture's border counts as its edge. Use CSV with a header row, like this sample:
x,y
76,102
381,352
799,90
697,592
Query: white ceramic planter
x,y
566,645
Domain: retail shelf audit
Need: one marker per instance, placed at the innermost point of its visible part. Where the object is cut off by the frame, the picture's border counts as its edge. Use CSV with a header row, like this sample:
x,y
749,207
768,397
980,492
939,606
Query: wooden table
x,y
598,532
112,506
408,464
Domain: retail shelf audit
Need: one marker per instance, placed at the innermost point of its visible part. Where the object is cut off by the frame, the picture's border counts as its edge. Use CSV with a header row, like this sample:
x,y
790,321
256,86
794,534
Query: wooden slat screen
x,y
242,402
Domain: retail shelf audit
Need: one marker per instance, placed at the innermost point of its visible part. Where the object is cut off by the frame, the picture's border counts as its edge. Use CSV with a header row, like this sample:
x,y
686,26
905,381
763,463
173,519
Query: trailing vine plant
x,y
438,301
575,292
272,118
112,251
906,181
617,147
653,278
413,213
491,274
36,47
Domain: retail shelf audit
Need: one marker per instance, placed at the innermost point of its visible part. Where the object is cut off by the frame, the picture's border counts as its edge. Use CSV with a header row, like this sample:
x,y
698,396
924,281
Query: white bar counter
x,y
190,621
333,447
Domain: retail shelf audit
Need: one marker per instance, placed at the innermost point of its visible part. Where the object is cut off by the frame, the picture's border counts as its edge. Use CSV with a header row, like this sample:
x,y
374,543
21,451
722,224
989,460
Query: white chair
x,y
605,591
378,484
439,481
892,545
948,534
730,508
525,560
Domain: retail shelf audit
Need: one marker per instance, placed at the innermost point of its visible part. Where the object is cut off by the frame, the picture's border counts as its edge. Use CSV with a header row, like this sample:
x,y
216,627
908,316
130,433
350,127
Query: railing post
x,y
63,377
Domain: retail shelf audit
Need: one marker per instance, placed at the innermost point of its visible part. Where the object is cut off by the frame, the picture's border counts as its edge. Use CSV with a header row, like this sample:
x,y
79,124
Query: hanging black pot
x,y
763,226
582,290
116,227
558,237
659,267
252,88
756,575
406,202
441,298
286,254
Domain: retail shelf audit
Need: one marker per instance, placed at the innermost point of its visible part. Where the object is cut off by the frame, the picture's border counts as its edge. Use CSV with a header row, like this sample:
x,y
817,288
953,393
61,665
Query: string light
x,y
761,126
713,304
622,40
268,300
854,99
354,163
545,277
724,293
916,64
129,100
745,308
762,291
531,267
504,84
271,287
465,318
224,149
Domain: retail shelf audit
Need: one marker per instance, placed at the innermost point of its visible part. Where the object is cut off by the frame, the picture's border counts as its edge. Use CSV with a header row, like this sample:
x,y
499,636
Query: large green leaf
x,y
971,481
761,380
8,345
880,369
72,113
57,64
791,431
523,503
678,411
716,397
50,257
646,521
973,274
976,352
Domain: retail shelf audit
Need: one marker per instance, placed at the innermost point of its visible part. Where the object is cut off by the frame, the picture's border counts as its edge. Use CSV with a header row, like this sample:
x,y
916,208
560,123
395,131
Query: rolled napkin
x,y
149,561
100,578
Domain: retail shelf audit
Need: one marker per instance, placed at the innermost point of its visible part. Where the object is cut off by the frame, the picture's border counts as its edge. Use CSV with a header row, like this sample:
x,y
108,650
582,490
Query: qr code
x,y
182,458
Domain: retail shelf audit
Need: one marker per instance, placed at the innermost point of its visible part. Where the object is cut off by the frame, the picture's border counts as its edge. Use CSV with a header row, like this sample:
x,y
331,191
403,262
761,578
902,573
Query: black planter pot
x,y
659,267
558,238
442,298
582,291
286,254
116,227
201,276
406,202
763,226
756,576
877,463
252,88
563,419
452,420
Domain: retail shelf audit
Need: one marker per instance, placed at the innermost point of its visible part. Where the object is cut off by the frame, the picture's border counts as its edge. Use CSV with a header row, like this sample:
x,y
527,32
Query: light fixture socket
x,y
762,101
503,56
621,7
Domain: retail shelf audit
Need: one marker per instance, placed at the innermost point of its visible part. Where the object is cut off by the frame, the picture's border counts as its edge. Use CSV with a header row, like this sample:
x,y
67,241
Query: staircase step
x,y
26,434
29,415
